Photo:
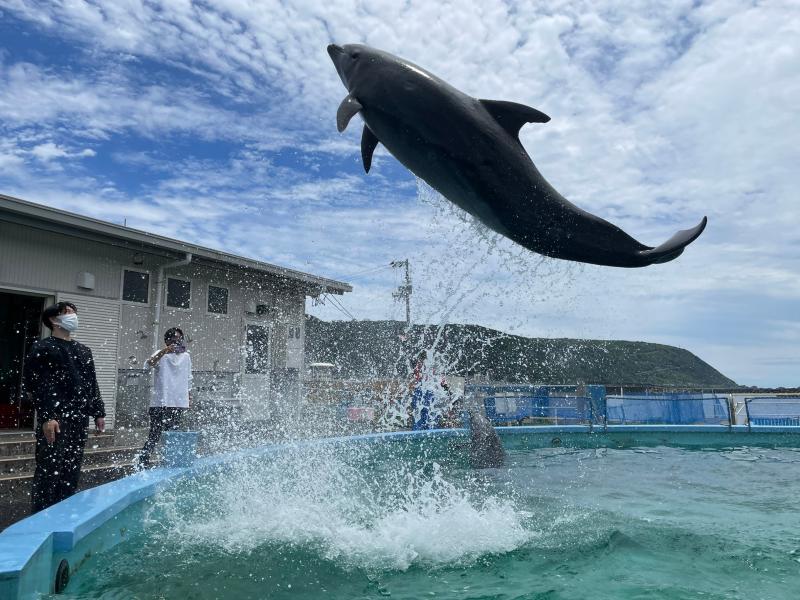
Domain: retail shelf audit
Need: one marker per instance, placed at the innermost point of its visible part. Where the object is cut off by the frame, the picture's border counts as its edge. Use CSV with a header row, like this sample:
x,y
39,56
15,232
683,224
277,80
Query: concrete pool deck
x,y
32,550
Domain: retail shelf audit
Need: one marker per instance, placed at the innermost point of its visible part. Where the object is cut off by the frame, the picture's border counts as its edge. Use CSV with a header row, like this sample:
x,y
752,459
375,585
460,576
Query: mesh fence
x,y
556,410
553,406
773,411
668,409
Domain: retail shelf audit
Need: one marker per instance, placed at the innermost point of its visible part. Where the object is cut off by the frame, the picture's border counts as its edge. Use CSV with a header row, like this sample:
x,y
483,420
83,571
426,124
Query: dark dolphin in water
x,y
485,449
469,151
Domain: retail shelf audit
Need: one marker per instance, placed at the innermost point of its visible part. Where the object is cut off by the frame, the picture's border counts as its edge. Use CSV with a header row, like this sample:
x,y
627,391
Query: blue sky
x,y
215,122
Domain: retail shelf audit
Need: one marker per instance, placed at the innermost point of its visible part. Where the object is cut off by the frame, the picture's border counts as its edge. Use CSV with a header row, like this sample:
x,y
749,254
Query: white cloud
x,y
49,151
662,112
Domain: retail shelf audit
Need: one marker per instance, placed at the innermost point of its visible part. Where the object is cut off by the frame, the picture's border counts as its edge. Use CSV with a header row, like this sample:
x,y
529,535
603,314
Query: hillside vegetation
x,y
383,349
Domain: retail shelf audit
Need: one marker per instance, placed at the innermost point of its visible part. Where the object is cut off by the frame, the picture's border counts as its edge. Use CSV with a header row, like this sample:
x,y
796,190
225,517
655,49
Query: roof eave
x,y
71,224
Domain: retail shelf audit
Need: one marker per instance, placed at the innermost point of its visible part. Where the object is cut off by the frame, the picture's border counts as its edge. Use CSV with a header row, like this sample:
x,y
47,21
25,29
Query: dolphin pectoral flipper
x,y
513,116
674,246
368,144
347,110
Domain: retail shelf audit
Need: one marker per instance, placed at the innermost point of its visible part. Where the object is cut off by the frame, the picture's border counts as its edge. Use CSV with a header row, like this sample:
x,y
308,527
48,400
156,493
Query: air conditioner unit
x,y
86,280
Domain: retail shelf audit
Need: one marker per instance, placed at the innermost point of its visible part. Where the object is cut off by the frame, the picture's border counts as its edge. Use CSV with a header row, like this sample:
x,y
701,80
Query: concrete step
x,y
24,444
15,491
13,435
26,464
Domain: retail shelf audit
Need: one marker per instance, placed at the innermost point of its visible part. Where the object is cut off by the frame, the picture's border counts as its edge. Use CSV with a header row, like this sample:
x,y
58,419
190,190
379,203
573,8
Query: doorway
x,y
20,327
255,388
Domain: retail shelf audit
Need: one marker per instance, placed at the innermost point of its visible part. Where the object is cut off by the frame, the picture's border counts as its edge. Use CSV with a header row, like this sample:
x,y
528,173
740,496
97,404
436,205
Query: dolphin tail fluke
x,y
674,246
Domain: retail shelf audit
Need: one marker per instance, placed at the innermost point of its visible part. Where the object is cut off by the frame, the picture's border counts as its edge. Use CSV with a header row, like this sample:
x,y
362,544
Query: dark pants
x,y
425,400
58,465
162,418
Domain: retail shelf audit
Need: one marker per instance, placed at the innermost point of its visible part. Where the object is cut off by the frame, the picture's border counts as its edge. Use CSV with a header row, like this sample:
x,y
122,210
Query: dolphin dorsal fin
x,y
347,110
512,116
368,144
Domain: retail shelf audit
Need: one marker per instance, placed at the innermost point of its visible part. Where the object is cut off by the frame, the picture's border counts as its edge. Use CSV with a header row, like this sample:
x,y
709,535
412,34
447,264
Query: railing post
x,y
729,403
747,412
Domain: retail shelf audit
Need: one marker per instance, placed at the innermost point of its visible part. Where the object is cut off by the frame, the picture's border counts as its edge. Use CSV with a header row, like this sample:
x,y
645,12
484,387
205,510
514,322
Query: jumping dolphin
x,y
485,449
469,151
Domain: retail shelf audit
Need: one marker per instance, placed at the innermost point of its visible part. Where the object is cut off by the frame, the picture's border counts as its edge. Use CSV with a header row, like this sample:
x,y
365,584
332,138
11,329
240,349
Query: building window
x,y
179,293
217,300
135,286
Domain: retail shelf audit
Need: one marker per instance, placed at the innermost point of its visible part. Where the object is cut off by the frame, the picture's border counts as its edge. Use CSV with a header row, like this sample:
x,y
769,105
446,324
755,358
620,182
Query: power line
x,y
344,309
340,307
334,305
364,272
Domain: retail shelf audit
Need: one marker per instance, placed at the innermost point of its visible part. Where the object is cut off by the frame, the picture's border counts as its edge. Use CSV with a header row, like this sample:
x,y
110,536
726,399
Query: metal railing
x,y
589,405
670,409
782,411
598,409
544,409
542,405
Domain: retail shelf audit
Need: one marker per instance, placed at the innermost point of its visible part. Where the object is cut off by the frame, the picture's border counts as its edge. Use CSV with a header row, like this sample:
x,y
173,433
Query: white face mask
x,y
68,322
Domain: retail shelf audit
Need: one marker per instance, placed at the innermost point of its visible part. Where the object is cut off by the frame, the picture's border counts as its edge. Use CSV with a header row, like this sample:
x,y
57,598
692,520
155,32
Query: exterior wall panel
x,y
135,336
34,259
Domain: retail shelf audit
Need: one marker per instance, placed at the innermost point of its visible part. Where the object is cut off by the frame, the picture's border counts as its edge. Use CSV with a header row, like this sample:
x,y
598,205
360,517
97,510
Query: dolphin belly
x,y
435,165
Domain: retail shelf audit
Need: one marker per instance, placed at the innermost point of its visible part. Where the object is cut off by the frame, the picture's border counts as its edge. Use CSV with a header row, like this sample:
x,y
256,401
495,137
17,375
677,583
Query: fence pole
x,y
747,412
729,402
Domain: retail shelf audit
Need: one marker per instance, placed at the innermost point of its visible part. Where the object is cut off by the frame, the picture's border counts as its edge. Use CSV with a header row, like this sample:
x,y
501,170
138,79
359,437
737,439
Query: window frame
x,y
122,286
166,293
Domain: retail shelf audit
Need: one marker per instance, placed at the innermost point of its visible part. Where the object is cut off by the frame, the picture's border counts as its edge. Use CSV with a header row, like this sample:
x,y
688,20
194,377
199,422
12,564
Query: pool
x,y
573,515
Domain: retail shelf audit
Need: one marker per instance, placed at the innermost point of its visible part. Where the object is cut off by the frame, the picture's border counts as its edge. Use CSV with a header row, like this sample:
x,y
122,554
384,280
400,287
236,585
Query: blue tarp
x,y
504,409
668,409
584,403
552,404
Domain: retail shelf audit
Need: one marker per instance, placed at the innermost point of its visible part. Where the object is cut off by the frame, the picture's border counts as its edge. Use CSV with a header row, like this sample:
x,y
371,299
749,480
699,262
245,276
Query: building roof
x,y
36,215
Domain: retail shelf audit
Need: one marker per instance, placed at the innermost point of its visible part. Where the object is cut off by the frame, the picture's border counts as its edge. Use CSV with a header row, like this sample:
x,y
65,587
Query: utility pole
x,y
404,291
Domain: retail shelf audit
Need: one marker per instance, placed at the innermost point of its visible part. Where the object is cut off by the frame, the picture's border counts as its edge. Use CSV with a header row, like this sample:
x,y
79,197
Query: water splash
x,y
387,517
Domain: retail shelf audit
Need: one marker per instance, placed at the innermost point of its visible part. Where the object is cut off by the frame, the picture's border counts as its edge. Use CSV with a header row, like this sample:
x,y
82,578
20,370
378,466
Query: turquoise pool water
x,y
556,523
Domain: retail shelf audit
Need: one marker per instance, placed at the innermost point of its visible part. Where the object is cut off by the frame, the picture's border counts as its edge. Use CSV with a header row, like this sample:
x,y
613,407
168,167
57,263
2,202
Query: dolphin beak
x,y
338,55
334,51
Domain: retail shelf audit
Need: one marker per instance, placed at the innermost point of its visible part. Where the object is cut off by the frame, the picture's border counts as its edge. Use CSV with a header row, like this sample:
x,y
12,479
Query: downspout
x,y
160,295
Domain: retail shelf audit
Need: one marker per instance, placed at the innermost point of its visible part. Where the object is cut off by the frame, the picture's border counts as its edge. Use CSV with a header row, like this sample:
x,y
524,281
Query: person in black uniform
x,y
61,380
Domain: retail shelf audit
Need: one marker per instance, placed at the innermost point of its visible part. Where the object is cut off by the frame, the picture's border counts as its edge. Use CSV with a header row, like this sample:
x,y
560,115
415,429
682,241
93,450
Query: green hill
x,y
366,349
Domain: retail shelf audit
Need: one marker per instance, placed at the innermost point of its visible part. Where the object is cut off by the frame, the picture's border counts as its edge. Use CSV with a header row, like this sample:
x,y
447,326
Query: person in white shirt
x,y
172,389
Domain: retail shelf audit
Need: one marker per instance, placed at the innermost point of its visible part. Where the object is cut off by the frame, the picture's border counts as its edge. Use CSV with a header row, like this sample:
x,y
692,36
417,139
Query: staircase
x,y
103,460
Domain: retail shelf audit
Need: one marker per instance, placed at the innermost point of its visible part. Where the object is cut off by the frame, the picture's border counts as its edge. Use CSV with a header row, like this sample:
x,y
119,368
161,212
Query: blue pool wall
x,y
86,523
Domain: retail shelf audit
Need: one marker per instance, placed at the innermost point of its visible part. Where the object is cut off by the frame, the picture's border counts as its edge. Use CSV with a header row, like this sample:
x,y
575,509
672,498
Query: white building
x,y
243,319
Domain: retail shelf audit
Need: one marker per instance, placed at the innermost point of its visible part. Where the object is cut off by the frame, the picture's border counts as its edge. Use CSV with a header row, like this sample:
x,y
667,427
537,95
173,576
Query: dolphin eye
x,y
356,54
